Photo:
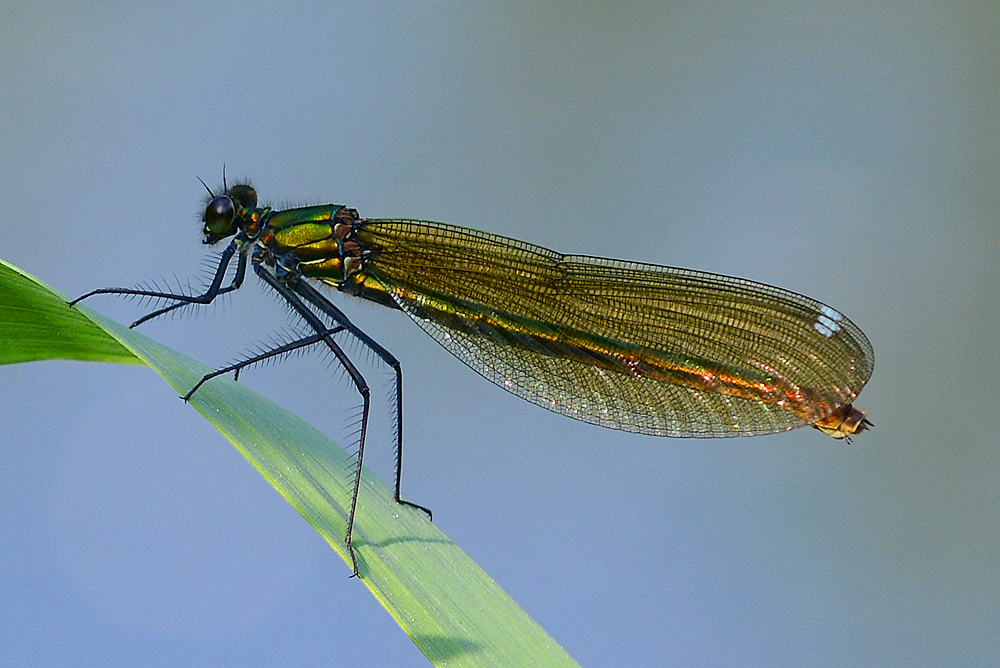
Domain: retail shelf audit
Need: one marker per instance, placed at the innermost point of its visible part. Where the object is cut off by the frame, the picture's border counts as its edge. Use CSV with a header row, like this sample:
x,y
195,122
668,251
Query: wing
x,y
631,346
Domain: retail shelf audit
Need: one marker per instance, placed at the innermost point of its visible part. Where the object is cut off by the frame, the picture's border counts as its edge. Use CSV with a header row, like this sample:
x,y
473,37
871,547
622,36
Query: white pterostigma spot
x,y
827,323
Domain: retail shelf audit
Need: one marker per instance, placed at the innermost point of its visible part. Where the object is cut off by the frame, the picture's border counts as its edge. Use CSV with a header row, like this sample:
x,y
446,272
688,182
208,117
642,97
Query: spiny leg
x,y
359,382
283,349
208,297
213,291
322,303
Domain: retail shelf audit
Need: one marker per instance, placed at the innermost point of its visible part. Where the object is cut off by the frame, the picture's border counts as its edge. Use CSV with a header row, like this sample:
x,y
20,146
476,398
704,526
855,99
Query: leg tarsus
x,y
404,502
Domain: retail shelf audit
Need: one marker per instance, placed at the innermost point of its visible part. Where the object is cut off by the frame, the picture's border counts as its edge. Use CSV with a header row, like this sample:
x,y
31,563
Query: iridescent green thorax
x,y
314,241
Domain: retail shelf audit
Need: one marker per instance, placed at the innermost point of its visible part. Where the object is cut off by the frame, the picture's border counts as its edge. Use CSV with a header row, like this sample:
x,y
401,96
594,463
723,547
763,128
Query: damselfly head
x,y
223,212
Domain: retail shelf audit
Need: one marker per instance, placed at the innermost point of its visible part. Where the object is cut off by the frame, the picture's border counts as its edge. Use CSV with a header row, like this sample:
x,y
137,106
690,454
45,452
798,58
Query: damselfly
x,y
637,347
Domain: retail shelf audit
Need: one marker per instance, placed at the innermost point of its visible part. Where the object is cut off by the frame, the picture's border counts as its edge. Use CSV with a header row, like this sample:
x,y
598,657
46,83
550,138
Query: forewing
x,y
454,282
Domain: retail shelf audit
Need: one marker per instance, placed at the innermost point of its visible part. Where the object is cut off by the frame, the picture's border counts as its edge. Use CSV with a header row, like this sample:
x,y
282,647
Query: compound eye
x,y
244,195
219,215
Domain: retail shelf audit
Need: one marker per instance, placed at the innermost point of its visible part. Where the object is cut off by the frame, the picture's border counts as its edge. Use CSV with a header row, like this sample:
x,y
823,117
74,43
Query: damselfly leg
x,y
296,293
214,289
291,290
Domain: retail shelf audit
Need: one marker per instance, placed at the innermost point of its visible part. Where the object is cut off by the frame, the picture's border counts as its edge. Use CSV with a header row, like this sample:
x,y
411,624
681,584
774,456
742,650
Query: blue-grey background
x,y
847,151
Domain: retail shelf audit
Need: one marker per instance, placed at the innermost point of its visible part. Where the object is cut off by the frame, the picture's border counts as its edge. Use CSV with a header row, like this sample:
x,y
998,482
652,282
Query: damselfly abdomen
x,y
638,347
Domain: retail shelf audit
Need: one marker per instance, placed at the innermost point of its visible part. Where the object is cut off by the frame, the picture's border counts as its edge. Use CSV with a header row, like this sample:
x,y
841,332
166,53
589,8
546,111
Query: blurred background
x,y
845,151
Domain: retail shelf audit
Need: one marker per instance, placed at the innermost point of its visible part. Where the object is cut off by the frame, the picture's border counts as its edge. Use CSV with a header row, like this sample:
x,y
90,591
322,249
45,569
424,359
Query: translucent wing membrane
x,y
638,347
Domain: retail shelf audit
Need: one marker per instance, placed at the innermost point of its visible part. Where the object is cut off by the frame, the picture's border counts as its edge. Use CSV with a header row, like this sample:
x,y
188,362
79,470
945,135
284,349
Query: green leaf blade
x,y
454,612
36,323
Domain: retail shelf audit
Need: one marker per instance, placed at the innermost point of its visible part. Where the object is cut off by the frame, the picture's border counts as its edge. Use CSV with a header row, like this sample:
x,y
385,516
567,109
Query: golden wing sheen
x,y
631,346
